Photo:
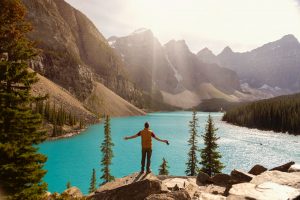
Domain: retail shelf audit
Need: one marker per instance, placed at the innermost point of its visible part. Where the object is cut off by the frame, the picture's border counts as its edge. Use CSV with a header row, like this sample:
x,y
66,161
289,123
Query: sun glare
x,y
241,24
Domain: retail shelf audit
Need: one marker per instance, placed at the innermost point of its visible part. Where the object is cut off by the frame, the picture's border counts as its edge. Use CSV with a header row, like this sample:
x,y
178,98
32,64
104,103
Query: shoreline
x,y
67,135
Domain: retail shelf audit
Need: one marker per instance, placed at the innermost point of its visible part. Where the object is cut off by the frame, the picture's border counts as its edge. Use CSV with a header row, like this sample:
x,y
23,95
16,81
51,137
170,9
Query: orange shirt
x,y
146,137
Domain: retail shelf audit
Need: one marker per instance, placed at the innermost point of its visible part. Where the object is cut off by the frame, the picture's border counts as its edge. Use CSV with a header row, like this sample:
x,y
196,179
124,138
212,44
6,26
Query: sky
x,y
215,24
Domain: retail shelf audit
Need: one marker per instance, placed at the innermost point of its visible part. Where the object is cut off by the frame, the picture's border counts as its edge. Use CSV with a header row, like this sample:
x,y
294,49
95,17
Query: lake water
x,y
73,159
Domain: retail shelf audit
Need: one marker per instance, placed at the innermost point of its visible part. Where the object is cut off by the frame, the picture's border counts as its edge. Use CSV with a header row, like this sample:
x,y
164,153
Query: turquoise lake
x,y
72,159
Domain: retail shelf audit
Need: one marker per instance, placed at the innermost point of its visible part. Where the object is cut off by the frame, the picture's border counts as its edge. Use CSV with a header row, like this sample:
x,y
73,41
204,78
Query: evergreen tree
x,y
21,167
93,182
47,110
107,153
192,168
163,168
68,185
210,157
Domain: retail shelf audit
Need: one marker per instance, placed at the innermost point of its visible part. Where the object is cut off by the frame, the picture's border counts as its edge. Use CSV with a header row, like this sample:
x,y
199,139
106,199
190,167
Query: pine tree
x,y
93,182
47,110
163,168
21,166
107,153
192,168
68,185
210,157
81,124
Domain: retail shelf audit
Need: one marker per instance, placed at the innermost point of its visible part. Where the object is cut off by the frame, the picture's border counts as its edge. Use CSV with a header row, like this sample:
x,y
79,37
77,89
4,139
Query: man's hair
x,y
146,125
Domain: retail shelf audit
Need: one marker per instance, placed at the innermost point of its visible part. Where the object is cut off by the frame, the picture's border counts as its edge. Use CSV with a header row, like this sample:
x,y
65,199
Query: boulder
x,y
294,168
126,180
283,178
257,170
72,192
235,197
55,195
180,182
164,177
263,191
213,189
176,188
187,183
208,196
238,176
134,191
176,195
284,168
191,189
202,178
221,179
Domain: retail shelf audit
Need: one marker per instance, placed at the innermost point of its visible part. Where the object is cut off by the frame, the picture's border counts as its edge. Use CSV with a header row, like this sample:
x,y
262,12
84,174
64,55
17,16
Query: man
x,y
146,136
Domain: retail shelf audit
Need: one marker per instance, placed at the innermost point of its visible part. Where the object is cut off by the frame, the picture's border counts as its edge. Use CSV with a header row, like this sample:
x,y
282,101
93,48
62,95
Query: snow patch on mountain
x,y
267,87
177,75
112,43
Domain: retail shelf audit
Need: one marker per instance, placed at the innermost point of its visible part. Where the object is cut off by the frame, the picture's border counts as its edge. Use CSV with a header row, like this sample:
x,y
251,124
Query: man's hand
x,y
166,141
126,138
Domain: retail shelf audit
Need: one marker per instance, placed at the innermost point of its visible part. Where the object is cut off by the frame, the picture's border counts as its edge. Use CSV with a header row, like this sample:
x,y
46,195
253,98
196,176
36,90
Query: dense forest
x,y
280,114
217,105
57,117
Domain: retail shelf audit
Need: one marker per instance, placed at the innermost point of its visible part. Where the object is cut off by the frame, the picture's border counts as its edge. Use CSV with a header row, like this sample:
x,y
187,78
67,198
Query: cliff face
x,y
76,56
74,52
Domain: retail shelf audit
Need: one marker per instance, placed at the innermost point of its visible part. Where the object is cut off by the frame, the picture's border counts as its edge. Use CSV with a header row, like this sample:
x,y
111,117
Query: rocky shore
x,y
278,183
67,135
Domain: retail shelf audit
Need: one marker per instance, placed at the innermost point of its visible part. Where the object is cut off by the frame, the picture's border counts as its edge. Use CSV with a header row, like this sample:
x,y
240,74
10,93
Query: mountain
x,y
60,96
71,45
172,70
145,60
273,65
207,56
110,102
76,56
194,72
100,101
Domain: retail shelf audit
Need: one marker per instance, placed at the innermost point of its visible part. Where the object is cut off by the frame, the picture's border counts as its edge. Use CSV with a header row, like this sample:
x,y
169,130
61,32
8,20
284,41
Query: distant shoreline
x,y
68,135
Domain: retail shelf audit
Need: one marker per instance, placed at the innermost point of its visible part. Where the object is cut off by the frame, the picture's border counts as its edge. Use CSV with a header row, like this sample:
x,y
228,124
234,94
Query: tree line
x,y
57,116
280,114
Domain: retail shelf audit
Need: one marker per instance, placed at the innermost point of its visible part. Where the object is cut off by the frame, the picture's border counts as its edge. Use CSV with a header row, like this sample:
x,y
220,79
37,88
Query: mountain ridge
x,y
276,64
171,69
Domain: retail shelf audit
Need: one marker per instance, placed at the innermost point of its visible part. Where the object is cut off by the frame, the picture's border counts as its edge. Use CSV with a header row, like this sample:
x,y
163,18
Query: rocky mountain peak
x,y
286,44
205,51
290,38
177,44
207,56
143,32
226,51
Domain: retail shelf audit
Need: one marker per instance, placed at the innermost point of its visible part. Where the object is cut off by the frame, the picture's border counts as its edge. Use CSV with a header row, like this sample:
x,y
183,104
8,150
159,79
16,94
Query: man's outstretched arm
x,y
165,141
131,137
